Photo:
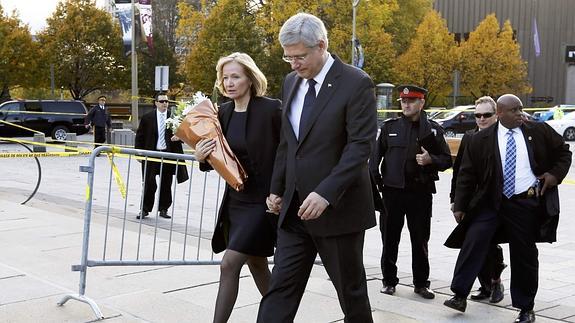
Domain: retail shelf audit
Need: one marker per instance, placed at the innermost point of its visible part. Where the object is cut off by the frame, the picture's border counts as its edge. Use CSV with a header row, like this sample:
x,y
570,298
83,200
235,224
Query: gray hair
x,y
303,28
487,99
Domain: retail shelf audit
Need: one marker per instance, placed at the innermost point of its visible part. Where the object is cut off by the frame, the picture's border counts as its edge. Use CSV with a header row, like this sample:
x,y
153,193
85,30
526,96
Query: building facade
x,y
545,30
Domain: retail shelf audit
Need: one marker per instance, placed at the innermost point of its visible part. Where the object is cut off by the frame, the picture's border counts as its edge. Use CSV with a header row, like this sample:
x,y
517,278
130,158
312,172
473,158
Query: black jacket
x,y
262,137
99,117
480,177
392,148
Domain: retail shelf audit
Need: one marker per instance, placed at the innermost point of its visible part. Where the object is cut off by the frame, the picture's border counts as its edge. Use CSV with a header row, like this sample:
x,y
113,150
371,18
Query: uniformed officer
x,y
411,150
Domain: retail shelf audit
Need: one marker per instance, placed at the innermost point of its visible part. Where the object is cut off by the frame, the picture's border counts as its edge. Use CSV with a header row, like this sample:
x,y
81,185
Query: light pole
x,y
354,4
134,70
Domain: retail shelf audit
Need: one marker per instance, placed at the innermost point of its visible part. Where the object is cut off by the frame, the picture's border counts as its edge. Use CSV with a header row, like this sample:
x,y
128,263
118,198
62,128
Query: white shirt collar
x,y
320,77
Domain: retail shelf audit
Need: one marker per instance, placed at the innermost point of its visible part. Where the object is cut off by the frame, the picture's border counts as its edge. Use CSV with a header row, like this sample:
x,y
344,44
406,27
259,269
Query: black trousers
x,y
99,135
416,207
342,257
493,265
149,174
518,219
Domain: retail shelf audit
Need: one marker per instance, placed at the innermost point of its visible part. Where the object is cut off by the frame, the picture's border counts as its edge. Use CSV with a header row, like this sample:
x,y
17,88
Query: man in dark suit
x,y
507,192
152,134
100,119
321,180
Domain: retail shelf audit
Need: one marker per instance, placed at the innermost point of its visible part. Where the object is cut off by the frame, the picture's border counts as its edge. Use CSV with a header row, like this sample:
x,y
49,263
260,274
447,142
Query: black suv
x,y
52,117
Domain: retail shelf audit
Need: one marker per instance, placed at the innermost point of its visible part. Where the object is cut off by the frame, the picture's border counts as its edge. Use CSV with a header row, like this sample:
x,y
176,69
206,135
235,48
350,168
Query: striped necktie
x,y
162,132
509,171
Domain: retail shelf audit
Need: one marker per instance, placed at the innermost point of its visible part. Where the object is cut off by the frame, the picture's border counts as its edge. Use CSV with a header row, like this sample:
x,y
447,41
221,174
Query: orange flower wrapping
x,y
202,123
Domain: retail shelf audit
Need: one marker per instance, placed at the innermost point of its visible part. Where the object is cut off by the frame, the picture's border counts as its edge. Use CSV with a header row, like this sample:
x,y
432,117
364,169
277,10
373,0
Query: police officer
x,y
411,150
99,117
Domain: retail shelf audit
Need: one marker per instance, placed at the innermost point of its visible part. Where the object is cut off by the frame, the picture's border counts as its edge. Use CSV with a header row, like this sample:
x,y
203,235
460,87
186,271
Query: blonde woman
x,y
251,124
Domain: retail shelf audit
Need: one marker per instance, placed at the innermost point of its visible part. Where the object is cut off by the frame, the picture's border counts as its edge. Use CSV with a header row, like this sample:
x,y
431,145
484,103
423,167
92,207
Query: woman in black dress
x,y
251,125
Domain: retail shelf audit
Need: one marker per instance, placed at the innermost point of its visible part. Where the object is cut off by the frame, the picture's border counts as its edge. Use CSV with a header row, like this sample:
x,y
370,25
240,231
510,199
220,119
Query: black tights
x,y
230,269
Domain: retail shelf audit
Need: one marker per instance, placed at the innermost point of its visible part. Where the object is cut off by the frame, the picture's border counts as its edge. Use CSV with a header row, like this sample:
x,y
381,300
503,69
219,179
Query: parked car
x,y
456,120
565,126
54,118
547,115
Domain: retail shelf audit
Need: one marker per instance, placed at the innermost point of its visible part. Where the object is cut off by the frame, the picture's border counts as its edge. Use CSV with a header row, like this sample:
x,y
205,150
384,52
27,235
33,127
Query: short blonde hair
x,y
487,99
258,79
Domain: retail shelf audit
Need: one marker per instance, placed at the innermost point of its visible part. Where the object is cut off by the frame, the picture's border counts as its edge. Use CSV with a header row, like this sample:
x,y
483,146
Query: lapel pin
x,y
529,138
328,84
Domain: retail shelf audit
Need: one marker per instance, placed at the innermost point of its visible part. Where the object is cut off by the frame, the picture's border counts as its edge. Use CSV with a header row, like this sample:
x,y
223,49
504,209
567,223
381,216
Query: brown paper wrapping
x,y
202,123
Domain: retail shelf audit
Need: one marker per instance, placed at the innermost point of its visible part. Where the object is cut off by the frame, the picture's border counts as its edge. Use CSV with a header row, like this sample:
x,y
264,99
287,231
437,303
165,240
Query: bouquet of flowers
x,y
199,122
182,109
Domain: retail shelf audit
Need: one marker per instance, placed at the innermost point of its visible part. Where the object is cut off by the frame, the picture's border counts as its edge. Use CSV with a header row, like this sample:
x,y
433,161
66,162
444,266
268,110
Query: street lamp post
x,y
134,70
354,4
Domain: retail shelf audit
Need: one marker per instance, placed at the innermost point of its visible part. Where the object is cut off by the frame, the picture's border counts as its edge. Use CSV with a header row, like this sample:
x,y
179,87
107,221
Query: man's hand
x,y
274,204
548,182
204,148
458,215
312,207
87,126
174,138
424,158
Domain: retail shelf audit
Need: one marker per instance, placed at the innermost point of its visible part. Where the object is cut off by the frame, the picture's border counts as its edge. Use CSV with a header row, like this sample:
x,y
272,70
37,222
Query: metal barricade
x,y
126,240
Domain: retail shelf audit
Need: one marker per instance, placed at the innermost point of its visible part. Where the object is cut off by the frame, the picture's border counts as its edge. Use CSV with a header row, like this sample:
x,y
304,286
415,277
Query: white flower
x,y
182,109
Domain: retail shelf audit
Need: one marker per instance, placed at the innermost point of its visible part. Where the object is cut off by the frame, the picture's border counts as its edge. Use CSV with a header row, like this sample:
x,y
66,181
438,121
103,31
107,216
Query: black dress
x,y
249,228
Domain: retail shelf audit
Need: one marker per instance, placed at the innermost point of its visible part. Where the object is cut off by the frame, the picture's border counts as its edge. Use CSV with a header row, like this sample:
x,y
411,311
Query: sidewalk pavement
x,y
41,240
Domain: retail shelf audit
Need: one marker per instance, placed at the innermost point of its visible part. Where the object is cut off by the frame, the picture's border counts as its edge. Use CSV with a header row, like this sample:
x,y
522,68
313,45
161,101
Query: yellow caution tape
x,y
87,192
46,154
19,126
117,176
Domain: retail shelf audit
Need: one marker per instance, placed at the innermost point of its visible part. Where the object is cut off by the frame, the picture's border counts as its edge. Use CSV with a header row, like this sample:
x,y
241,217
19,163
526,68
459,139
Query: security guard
x,y
411,150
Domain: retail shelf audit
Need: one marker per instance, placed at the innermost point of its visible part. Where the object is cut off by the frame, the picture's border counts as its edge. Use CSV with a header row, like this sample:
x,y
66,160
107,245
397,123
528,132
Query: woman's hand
x,y
204,148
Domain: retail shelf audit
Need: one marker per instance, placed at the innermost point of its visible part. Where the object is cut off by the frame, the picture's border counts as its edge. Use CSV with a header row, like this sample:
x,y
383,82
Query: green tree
x,y
161,56
430,58
85,47
490,61
18,55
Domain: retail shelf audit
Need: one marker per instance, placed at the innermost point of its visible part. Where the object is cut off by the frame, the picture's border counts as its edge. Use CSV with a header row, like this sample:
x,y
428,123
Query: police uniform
x,y
407,188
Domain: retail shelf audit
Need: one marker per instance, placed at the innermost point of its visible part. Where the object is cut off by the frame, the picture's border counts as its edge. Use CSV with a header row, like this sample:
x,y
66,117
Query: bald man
x,y
508,171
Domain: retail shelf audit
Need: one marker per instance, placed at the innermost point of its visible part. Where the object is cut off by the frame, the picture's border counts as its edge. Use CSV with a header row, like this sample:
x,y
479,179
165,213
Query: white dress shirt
x,y
296,107
524,177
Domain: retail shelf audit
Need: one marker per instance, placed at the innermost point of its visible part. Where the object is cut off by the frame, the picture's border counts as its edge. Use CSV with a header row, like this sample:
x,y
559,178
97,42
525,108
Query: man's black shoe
x,y
389,290
525,316
496,293
456,303
481,294
424,292
142,215
164,214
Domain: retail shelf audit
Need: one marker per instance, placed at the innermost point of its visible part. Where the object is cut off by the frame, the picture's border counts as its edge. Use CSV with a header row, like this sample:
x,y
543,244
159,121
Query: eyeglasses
x,y
163,101
294,59
484,115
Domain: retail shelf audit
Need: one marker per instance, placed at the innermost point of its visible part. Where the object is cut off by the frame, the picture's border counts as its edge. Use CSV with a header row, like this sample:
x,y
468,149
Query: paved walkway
x,y
39,242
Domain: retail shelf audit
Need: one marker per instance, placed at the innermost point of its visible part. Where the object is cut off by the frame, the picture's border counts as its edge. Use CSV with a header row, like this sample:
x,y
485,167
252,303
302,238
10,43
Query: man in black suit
x,y
507,192
321,180
152,134
100,119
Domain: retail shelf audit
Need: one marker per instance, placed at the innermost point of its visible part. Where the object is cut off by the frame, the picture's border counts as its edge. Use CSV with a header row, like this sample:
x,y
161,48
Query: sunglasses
x,y
163,101
485,115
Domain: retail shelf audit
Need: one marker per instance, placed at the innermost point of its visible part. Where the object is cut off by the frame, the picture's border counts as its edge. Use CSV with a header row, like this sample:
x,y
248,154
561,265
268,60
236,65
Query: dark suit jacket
x,y
330,158
262,137
147,137
457,161
480,178
99,117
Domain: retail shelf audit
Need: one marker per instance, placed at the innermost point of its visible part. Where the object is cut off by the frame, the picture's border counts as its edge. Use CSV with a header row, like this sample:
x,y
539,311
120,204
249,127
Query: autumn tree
x,y
430,58
490,61
213,32
85,47
371,19
405,20
18,55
